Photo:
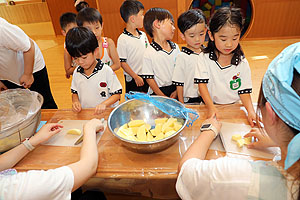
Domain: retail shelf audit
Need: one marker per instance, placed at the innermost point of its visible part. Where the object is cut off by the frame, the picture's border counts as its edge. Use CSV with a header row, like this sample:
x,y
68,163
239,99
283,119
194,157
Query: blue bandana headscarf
x,y
282,97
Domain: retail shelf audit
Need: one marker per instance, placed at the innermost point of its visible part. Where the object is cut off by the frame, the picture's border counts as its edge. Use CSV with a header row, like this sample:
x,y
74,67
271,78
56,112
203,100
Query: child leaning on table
x,y
132,44
67,21
159,57
223,73
94,84
54,184
92,19
236,178
193,29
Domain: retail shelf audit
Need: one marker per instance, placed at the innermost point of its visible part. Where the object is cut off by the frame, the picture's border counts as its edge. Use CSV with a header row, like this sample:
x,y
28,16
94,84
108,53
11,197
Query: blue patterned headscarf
x,y
282,97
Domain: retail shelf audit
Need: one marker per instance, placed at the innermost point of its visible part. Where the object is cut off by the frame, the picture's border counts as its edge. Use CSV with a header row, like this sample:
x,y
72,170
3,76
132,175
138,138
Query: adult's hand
x,y
45,133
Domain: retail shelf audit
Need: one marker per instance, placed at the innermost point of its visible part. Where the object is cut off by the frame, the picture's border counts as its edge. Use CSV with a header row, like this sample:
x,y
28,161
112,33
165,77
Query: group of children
x,y
218,73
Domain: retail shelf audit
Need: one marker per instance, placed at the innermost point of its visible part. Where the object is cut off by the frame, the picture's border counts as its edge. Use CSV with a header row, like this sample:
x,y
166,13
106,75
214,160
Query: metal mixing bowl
x,y
135,109
20,114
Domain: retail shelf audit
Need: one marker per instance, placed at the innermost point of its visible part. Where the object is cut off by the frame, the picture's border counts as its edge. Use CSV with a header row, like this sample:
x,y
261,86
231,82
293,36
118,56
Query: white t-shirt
x,y
131,50
54,184
224,83
184,72
105,56
13,42
96,88
159,64
232,178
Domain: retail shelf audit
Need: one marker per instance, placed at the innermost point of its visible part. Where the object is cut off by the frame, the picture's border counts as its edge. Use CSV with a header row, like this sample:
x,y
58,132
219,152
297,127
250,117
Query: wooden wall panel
x,y
275,18
58,7
25,13
113,23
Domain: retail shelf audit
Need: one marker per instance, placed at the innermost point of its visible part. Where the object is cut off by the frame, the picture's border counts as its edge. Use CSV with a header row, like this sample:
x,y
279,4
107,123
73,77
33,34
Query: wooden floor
x,y
258,52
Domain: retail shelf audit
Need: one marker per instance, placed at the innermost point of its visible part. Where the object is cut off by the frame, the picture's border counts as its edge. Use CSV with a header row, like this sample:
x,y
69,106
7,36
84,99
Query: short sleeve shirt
x,y
131,50
94,89
224,84
13,43
159,64
53,184
232,178
184,72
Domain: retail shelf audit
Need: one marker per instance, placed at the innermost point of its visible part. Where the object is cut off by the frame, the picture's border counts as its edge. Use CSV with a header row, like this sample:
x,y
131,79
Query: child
x,y
68,21
159,58
132,44
94,83
54,183
92,19
80,4
233,178
193,29
223,73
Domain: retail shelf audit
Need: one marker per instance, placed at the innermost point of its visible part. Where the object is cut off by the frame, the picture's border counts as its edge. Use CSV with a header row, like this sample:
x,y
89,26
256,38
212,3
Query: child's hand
x,y
261,140
100,109
26,80
95,124
46,132
213,113
139,81
174,95
76,107
252,118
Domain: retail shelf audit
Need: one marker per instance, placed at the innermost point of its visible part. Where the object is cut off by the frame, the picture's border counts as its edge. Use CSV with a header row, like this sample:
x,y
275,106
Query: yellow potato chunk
x,y
240,143
160,120
170,123
149,137
74,131
148,127
248,140
177,126
168,129
236,137
136,123
141,134
170,133
134,130
124,126
160,136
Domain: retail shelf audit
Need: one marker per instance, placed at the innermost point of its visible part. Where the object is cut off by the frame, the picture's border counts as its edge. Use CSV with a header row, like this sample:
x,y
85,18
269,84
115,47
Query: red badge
x,y
103,84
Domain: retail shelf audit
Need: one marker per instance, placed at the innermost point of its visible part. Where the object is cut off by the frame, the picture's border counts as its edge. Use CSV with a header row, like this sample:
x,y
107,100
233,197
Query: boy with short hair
x,y
193,29
132,44
159,58
92,19
94,83
67,21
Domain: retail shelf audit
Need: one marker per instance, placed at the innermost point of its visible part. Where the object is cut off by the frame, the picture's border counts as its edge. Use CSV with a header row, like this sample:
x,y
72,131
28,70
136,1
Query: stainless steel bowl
x,y
135,109
20,114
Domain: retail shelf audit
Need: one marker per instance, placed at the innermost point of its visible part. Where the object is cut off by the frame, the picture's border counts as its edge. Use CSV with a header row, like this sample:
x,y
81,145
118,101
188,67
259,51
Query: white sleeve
x,y
121,48
201,70
113,84
14,38
178,74
74,88
210,179
147,70
246,82
54,184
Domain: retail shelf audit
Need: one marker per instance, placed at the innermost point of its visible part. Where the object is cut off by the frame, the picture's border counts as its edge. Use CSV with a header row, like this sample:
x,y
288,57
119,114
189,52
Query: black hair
x,y
81,6
90,15
153,14
66,19
221,17
80,41
190,18
130,7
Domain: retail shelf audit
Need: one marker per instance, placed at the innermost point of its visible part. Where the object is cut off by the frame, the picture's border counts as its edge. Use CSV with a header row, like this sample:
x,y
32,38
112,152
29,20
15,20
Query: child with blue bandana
x,y
233,178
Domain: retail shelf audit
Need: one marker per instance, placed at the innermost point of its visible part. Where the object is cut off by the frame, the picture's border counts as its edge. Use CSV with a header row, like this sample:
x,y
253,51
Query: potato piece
x,y
240,143
141,134
149,137
148,127
157,130
169,123
169,133
168,129
134,130
236,137
177,126
248,140
74,131
160,120
127,131
136,123
160,136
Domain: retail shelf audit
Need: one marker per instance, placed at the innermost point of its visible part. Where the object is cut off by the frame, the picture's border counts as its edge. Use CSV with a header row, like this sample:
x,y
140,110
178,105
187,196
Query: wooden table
x,y
120,170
